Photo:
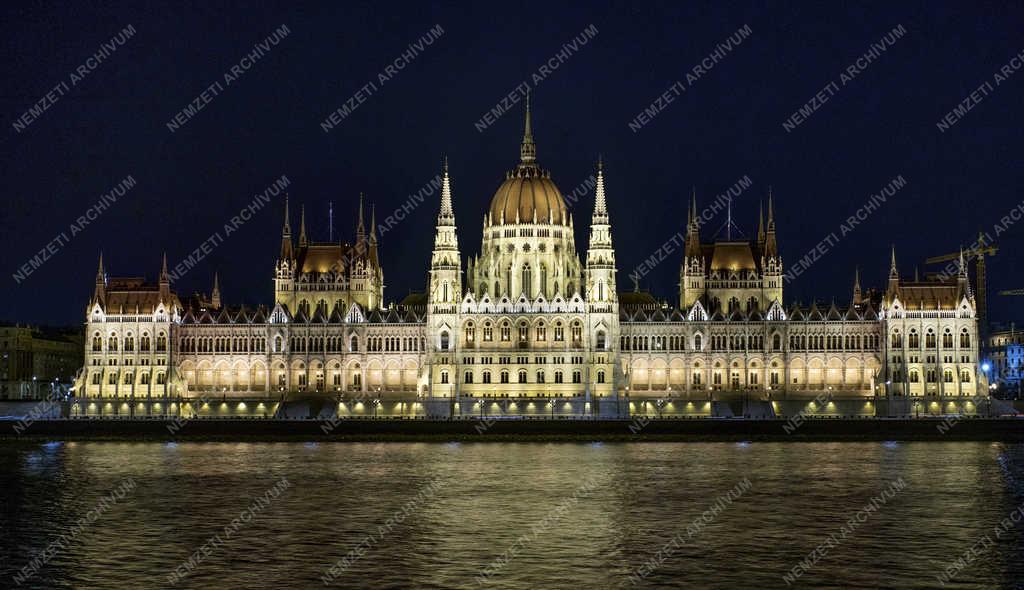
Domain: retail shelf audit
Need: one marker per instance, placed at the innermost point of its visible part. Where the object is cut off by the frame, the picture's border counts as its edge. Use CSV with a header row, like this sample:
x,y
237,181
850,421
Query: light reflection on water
x,y
498,494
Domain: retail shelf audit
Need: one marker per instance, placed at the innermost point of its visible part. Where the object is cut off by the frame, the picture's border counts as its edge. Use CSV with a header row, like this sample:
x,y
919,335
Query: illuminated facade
x,y
528,327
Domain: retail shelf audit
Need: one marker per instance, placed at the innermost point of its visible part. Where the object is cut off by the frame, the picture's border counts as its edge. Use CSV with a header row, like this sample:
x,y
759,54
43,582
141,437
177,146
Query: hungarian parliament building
x,y
526,328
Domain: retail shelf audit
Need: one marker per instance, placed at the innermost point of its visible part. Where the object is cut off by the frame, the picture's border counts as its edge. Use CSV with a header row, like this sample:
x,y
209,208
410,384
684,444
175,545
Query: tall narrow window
x,y
527,282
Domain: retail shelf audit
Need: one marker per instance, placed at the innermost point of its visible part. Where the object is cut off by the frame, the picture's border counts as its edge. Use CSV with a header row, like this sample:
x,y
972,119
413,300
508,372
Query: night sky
x,y
726,124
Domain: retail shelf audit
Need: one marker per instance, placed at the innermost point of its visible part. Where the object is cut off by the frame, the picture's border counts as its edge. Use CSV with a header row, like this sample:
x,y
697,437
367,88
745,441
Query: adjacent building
x,y
38,362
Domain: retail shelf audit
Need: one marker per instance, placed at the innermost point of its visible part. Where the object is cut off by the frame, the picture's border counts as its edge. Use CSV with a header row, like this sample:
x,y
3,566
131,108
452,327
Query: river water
x,y
511,515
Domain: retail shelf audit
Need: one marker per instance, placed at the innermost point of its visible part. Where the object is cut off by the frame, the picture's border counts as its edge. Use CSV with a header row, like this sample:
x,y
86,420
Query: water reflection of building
x,y
530,327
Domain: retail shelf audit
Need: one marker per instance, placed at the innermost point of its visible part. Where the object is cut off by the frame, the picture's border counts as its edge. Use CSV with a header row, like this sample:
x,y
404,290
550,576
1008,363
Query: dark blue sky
x,y
725,125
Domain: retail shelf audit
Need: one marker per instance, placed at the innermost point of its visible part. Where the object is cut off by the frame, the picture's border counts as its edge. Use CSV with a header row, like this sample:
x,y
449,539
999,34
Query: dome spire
x,y
528,150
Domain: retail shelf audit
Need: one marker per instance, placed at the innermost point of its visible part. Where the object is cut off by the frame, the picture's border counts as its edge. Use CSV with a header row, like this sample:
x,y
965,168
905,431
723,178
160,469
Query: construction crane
x,y
978,252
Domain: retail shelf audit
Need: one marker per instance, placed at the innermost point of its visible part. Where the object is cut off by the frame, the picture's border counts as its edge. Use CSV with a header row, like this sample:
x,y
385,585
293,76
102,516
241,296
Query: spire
x,y
856,286
360,230
287,229
286,234
101,282
447,212
771,247
528,150
302,227
760,226
373,223
961,280
215,294
893,273
600,203
693,207
600,249
165,280
693,230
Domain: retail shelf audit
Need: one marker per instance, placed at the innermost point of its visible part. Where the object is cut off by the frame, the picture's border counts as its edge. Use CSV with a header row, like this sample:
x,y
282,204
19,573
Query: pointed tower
x,y
361,245
303,241
691,273
602,300
760,228
215,294
287,253
444,292
894,277
771,261
100,294
857,295
375,297
165,282
284,272
373,235
771,247
962,282
600,268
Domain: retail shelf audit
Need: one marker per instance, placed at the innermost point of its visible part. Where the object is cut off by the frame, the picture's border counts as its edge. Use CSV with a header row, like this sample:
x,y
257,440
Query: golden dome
x,y
527,194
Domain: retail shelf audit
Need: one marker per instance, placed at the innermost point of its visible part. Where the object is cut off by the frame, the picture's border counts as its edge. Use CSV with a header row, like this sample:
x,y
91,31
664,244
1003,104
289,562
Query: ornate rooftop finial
x,y
528,151
302,226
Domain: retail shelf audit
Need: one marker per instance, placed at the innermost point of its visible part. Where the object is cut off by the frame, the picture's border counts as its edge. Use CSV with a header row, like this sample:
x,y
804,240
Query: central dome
x,y
528,194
